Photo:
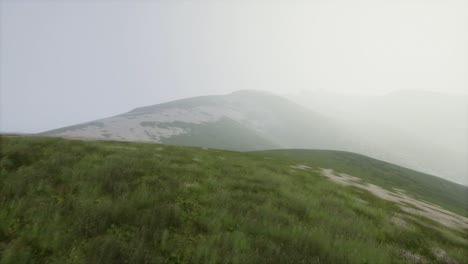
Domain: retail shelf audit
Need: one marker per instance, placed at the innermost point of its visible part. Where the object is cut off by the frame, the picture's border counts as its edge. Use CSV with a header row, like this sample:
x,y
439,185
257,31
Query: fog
x,y
430,129
67,62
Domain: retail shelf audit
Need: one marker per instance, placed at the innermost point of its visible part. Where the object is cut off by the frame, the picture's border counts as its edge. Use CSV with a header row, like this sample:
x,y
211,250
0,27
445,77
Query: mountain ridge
x,y
249,120
256,112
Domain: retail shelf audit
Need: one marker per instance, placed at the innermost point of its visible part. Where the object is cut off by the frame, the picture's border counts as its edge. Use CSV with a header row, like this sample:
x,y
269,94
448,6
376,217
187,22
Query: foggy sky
x,y
66,62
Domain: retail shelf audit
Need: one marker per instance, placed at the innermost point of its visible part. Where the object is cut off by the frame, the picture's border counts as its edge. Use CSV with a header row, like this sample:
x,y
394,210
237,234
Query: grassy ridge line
x,y
449,195
70,201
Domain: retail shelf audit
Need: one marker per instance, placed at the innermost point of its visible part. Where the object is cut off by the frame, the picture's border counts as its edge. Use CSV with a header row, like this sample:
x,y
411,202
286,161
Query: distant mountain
x,y
243,120
254,120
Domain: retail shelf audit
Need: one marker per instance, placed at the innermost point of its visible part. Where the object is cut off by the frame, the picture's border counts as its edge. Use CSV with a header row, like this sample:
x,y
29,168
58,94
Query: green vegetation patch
x,y
66,201
223,134
149,124
444,193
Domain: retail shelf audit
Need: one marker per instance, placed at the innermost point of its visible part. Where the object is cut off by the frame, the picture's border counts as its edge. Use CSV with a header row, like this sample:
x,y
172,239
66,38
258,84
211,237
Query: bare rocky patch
x,y
152,126
413,257
300,166
398,220
442,256
407,203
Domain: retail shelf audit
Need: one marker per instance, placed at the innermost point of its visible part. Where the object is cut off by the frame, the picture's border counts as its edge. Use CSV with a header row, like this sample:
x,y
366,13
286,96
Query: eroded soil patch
x,y
406,203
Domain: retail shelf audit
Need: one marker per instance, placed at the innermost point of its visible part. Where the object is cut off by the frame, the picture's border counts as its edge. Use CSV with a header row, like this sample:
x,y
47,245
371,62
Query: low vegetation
x,y
223,134
427,187
65,201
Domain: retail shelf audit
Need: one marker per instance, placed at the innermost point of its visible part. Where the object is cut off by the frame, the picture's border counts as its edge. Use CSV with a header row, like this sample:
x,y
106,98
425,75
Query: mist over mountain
x,y
254,120
427,131
193,132
243,120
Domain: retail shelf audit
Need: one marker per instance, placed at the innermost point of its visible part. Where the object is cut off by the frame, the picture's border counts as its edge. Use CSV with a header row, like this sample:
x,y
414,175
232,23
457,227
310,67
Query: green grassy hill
x,y
223,134
241,121
427,187
250,120
65,201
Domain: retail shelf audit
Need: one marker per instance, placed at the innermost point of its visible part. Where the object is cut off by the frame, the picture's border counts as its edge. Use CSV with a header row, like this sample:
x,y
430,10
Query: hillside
x,y
424,186
243,120
426,131
69,201
254,120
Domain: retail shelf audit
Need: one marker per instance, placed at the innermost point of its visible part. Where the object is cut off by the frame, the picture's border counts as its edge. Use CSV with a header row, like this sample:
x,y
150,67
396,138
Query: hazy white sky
x,y
66,62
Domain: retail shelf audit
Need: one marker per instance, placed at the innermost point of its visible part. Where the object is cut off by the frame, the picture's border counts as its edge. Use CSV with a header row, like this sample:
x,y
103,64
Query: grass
x,y
65,201
447,194
223,134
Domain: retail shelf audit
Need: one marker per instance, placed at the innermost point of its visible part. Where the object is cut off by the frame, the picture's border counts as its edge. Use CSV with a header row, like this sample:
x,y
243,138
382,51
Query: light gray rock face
x,y
271,117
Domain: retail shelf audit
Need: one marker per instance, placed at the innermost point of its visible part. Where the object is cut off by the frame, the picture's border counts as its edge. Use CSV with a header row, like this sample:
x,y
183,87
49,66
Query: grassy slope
x,y
284,126
223,134
64,201
433,189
